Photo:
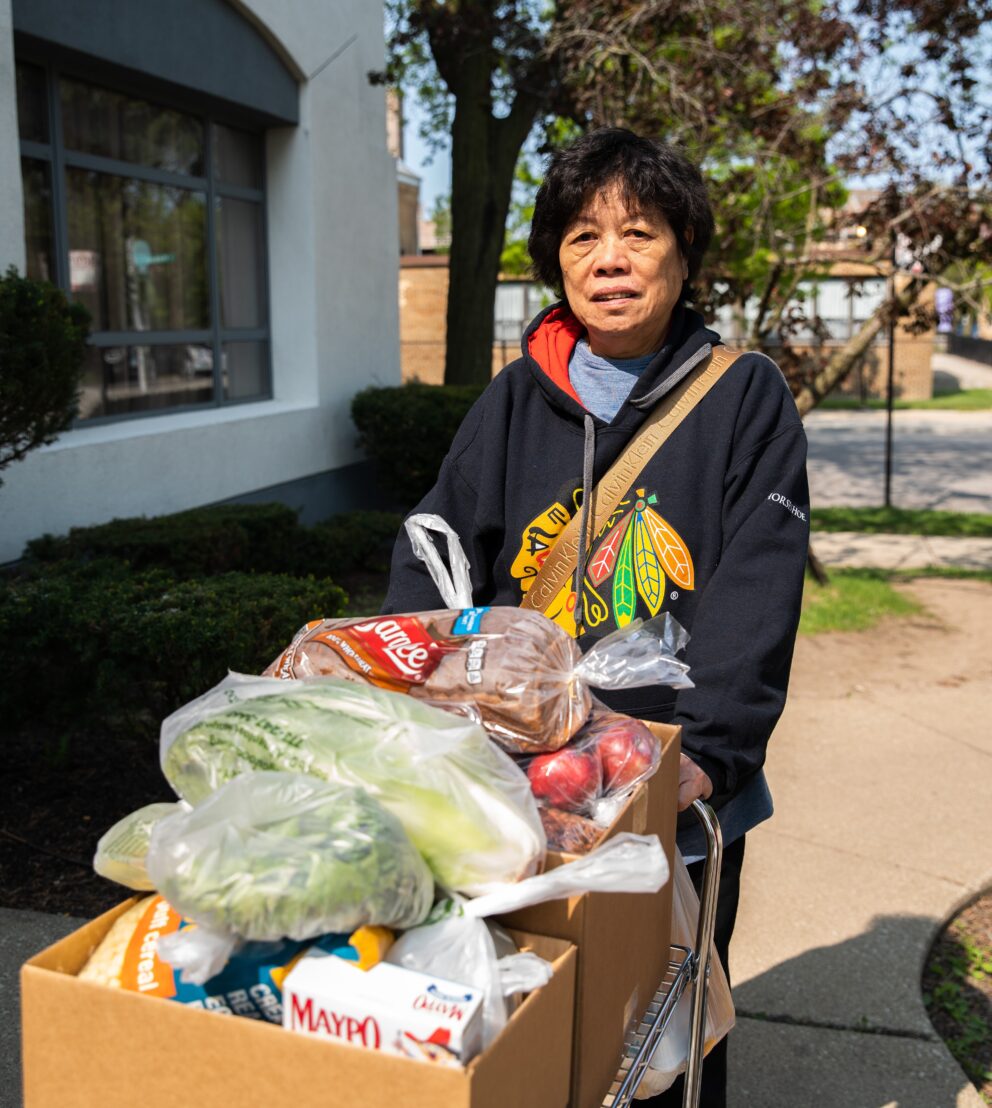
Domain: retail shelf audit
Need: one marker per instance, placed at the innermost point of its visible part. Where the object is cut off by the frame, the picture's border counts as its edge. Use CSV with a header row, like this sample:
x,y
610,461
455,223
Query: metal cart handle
x,y
686,966
704,946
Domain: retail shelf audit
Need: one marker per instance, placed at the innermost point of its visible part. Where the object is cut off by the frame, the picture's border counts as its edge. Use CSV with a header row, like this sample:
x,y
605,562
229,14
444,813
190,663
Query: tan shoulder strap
x,y
560,563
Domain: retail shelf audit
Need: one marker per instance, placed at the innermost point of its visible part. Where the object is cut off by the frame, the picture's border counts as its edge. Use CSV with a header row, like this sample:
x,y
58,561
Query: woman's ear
x,y
689,231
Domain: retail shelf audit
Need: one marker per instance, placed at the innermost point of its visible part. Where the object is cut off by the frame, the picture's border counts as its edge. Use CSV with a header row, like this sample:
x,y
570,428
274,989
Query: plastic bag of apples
x,y
581,787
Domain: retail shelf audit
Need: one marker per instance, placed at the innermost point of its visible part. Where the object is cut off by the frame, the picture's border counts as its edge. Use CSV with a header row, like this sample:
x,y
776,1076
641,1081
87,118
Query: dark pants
x,y
713,1092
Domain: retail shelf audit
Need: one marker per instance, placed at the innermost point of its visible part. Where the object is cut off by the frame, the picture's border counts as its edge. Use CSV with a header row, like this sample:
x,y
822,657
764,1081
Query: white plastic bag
x,y
456,944
460,948
465,805
455,587
672,1053
283,856
122,851
639,654
627,863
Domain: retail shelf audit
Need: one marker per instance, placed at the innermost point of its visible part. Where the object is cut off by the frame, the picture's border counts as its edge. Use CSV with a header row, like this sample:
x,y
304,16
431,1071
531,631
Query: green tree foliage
x,y
441,217
783,105
42,346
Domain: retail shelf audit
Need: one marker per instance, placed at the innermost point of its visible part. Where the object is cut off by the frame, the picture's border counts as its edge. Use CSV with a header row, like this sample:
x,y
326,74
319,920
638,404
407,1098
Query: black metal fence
x,y
979,350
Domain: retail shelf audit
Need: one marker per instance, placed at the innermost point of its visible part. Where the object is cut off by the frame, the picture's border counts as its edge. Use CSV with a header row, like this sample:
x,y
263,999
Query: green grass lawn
x,y
902,521
854,600
964,400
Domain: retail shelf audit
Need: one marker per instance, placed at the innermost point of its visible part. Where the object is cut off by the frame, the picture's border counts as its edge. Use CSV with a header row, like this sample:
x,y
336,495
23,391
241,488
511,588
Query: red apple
x,y
567,779
628,753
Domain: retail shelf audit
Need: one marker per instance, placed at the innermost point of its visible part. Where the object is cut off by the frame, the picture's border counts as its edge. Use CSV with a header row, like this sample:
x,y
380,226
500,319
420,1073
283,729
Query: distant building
x,y
845,293
407,182
213,181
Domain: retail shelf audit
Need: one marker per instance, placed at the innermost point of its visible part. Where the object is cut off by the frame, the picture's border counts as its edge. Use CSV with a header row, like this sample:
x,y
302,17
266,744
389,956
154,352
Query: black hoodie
x,y
715,529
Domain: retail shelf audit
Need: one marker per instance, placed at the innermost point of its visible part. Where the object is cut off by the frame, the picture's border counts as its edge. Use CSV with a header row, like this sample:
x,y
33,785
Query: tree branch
x,y
843,361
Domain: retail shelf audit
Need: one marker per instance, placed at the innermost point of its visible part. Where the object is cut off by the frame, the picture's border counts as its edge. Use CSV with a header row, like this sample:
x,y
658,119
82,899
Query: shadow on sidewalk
x,y
845,1026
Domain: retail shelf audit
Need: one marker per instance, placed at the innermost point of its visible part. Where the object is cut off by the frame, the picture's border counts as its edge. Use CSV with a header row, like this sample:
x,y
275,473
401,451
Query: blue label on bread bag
x,y
469,622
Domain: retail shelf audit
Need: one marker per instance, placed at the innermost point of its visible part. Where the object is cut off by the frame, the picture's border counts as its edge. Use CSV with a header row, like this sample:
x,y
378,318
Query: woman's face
x,y
622,272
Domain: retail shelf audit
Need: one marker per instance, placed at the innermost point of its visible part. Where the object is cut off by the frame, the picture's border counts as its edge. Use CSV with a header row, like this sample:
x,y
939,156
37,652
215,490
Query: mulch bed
x,y
957,989
60,798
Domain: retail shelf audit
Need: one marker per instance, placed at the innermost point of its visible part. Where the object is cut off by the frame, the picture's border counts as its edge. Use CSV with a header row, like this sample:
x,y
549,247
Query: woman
x,y
719,513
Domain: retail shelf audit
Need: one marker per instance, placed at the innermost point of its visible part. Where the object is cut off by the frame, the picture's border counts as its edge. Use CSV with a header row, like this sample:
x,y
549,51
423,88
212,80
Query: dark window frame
x,y
59,159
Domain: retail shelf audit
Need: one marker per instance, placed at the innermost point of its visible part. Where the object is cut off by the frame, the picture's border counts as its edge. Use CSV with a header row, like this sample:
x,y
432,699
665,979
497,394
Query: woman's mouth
x,y
609,295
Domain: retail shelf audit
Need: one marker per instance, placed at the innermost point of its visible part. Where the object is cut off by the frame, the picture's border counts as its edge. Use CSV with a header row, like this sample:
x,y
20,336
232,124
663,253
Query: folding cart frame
x,y
685,967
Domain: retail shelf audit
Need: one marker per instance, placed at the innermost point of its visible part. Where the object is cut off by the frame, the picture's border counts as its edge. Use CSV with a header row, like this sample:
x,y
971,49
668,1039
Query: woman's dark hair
x,y
651,176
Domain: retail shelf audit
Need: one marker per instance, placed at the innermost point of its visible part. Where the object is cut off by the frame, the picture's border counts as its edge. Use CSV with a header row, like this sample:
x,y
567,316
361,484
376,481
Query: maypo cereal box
x,y
387,1008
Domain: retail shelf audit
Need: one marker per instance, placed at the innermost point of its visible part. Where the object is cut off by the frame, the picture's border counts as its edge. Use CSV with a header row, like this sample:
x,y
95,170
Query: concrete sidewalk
x,y
22,935
852,548
879,769
940,459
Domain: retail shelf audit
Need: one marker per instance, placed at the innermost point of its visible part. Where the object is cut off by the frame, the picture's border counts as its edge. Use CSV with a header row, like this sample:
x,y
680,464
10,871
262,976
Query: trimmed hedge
x,y
114,627
244,538
352,541
92,645
252,537
407,431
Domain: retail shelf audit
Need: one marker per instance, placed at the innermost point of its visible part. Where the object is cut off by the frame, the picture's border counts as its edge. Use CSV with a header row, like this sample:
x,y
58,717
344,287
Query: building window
x,y
155,220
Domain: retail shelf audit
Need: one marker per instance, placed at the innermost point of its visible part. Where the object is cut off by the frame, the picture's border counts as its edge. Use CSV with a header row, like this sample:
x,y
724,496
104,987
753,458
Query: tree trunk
x,y
816,567
853,352
484,153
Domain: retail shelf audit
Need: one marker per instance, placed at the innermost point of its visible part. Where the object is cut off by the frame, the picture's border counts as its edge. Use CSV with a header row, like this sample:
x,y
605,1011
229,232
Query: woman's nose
x,y
612,256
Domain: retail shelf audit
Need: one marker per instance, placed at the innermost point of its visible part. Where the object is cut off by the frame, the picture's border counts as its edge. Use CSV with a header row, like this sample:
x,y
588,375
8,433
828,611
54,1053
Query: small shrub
x,y
408,430
353,541
94,645
260,538
42,347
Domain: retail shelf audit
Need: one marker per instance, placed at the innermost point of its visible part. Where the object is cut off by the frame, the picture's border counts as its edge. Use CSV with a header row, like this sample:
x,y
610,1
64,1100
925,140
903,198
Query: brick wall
x,y
423,291
912,377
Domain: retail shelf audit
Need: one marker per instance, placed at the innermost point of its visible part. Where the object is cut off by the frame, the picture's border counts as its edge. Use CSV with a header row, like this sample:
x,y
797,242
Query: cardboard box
x,y
88,1046
623,939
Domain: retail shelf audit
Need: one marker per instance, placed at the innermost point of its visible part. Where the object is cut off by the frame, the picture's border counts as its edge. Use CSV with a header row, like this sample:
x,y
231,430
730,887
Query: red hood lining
x,y
551,346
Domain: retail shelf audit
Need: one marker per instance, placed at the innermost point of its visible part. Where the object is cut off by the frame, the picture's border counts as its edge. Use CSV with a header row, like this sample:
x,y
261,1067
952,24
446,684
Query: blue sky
x,y
435,179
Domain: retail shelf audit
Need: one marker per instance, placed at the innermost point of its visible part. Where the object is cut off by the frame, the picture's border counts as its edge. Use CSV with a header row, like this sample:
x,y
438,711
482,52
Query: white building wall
x,y
11,203
332,233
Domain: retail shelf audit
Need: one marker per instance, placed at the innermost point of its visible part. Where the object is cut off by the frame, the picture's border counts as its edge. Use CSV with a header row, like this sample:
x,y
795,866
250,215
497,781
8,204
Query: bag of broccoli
x,y
466,806
283,855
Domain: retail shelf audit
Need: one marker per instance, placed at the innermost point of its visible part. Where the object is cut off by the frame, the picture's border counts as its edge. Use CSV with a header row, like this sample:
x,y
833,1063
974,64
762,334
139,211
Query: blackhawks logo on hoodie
x,y
629,563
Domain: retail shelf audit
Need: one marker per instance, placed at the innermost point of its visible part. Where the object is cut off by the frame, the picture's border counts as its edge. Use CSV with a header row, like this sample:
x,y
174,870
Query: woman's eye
x,y
586,236
637,233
